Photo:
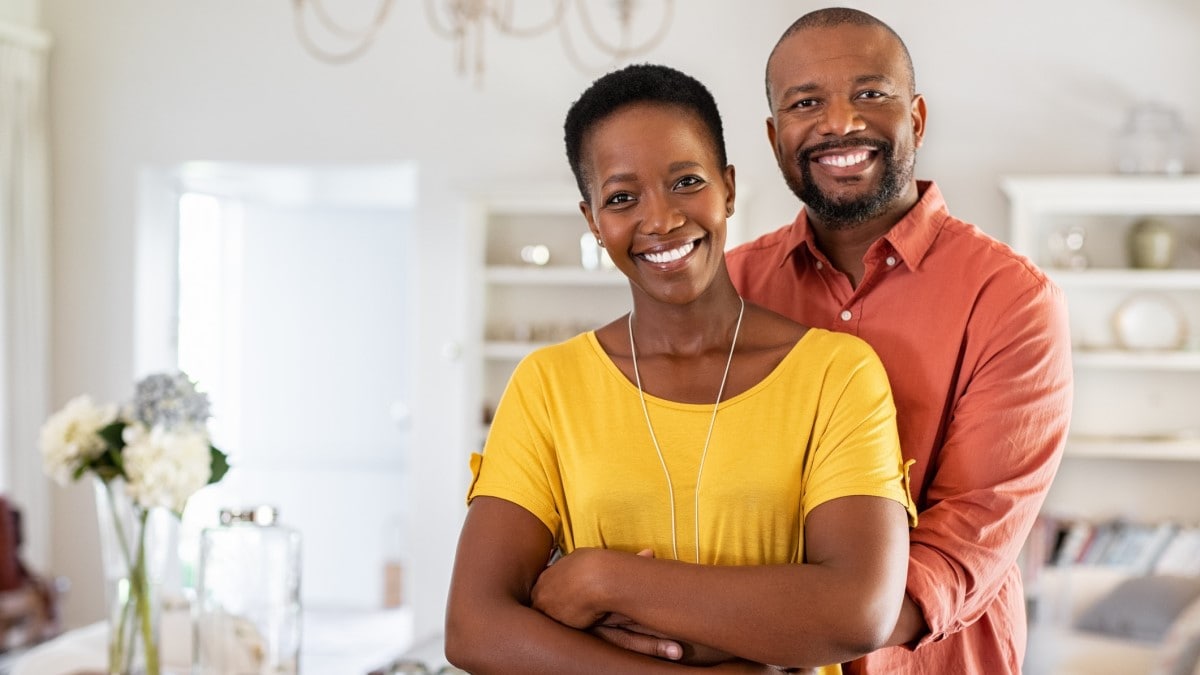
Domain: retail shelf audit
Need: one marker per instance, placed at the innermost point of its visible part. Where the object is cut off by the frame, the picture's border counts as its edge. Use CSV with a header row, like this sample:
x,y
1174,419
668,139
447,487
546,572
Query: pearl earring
x,y
599,242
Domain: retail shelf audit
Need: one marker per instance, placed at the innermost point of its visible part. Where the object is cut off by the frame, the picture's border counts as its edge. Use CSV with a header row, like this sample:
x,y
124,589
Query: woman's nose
x,y
660,215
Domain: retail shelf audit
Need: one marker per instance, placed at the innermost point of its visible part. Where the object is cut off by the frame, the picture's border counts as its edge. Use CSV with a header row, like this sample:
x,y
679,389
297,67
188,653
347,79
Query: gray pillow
x,y
1141,608
1180,650
1188,659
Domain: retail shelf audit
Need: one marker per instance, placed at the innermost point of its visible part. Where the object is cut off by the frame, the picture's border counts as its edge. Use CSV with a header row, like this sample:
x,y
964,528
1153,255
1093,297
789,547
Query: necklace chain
x,y
711,423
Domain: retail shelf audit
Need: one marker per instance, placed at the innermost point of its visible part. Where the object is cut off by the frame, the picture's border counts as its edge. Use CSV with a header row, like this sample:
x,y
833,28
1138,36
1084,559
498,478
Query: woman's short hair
x,y
640,83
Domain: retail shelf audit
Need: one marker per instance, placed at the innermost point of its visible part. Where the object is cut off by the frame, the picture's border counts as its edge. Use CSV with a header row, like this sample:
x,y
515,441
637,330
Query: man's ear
x,y
918,120
771,138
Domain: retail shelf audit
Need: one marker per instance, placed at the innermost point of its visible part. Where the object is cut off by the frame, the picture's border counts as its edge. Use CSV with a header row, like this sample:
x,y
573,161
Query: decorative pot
x,y
1151,244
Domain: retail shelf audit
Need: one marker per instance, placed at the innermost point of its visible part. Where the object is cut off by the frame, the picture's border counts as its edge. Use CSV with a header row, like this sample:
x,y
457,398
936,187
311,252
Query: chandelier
x,y
466,22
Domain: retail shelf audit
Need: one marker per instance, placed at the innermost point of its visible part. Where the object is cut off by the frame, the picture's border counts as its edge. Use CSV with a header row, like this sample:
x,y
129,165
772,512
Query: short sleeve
x,y
856,447
518,461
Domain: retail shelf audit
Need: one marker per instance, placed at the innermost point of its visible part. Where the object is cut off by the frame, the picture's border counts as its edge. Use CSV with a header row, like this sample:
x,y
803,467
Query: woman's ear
x,y
728,176
586,209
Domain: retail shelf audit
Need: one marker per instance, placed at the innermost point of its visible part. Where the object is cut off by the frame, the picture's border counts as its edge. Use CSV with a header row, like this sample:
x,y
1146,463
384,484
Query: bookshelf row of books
x,y
1137,547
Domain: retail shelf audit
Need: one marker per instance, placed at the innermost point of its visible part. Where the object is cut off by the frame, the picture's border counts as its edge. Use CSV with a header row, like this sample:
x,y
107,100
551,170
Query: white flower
x,y
69,437
164,468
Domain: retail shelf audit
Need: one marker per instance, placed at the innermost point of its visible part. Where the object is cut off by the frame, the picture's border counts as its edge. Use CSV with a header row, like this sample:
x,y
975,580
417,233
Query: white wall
x,y
1019,86
19,12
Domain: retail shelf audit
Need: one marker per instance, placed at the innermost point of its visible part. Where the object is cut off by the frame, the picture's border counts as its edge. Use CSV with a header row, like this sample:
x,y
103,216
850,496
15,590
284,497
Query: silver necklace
x,y
704,454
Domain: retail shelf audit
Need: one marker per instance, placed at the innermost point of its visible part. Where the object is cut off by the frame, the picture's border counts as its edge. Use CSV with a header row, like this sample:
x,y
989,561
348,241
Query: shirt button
x,y
845,315
891,260
820,265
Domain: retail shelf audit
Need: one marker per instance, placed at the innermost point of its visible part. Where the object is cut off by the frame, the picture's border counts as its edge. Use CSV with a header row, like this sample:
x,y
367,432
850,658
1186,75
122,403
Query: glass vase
x,y
136,545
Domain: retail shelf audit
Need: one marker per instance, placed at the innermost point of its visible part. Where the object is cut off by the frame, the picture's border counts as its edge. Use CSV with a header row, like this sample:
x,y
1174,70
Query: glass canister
x,y
247,617
1153,141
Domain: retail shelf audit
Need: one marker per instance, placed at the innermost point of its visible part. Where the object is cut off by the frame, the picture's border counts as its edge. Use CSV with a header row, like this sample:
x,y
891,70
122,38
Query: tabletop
x,y
334,642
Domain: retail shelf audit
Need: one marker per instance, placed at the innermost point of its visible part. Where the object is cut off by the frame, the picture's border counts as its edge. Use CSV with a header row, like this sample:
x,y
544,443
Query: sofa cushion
x,y
1180,654
1141,608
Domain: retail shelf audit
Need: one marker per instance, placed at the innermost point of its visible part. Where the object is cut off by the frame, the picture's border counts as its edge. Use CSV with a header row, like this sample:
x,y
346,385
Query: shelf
x,y
509,351
1128,279
1120,359
1106,194
543,276
557,200
1133,448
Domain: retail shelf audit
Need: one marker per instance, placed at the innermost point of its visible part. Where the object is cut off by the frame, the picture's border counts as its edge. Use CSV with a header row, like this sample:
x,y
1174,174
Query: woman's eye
x,y
688,181
619,198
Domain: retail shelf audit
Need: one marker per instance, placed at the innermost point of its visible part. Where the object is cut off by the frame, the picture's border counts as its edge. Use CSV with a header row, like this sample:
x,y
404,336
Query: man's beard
x,y
844,214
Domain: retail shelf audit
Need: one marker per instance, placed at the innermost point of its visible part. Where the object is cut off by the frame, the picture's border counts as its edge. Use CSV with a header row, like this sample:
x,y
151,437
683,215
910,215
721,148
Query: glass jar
x,y
247,617
1153,141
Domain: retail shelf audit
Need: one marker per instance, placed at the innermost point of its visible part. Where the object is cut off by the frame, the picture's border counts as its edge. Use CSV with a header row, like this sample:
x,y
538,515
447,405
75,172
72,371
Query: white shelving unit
x,y
523,306
518,306
1130,404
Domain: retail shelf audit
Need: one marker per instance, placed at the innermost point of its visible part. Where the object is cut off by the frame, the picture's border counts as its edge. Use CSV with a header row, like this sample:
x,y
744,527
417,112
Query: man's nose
x,y
840,118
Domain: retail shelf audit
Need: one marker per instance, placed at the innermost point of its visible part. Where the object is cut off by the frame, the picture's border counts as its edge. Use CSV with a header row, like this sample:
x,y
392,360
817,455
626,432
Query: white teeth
x,y
668,256
844,160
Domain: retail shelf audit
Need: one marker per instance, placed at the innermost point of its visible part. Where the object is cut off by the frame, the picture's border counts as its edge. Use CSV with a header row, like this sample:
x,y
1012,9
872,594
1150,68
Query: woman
x,y
751,461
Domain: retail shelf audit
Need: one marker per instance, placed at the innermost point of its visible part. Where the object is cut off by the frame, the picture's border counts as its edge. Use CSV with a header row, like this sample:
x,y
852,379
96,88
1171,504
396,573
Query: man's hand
x,y
625,633
622,632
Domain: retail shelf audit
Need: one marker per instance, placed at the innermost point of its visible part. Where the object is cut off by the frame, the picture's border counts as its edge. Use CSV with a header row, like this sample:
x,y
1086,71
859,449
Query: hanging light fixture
x,y
466,23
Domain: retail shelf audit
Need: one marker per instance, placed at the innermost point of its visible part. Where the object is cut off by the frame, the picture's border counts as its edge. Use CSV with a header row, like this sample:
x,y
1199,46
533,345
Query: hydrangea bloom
x,y
169,400
70,437
164,467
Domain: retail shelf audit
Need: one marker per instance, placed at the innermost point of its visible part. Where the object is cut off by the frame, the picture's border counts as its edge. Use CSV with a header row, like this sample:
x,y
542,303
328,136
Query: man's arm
x,y
838,606
1001,451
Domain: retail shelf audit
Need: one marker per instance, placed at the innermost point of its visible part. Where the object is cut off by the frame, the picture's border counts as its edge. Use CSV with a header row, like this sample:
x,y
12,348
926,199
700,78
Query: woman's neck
x,y
699,327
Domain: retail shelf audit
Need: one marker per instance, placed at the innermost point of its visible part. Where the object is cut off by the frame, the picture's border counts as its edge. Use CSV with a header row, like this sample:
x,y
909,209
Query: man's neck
x,y
845,246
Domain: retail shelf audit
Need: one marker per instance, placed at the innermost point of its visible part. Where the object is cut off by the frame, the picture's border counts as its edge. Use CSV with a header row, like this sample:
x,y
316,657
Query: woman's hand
x,y
569,591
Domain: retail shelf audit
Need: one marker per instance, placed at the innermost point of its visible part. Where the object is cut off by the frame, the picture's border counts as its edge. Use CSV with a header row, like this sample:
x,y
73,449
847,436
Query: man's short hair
x,y
832,17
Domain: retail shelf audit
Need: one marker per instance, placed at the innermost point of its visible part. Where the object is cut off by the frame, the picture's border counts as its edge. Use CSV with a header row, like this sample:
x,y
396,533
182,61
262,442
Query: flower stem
x,y
140,581
135,605
117,641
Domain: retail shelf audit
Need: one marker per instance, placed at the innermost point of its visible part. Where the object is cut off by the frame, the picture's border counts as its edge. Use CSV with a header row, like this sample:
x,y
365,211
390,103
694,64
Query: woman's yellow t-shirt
x,y
569,443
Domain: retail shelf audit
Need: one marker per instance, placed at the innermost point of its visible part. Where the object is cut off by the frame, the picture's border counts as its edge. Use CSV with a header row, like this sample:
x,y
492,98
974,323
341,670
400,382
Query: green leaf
x,y
220,464
112,435
115,459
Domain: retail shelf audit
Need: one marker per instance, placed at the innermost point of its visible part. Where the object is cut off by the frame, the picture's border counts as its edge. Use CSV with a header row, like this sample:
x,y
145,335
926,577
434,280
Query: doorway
x,y
285,293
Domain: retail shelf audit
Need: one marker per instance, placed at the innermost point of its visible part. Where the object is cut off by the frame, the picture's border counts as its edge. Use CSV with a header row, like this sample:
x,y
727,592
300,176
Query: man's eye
x,y
805,103
872,94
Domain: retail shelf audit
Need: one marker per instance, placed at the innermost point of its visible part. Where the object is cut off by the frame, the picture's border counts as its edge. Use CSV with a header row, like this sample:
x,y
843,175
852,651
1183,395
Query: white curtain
x,y
24,280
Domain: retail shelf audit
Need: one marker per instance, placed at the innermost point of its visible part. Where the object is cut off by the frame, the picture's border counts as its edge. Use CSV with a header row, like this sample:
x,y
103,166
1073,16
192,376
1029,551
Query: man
x,y
974,338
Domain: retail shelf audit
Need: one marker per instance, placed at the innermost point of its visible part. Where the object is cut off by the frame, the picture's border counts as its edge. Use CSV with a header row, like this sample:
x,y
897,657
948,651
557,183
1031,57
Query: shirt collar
x,y
912,236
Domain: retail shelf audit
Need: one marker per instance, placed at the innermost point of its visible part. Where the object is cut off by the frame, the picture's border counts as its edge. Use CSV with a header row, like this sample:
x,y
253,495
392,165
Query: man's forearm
x,y
910,626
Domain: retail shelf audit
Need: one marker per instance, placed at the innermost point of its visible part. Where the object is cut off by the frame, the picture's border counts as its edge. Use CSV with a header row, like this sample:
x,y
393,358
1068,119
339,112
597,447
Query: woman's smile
x,y
666,256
